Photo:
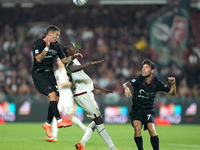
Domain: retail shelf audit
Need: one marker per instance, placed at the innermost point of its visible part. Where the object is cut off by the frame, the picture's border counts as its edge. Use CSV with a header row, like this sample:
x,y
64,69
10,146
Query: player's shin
x,y
88,133
139,142
49,115
54,109
155,142
103,133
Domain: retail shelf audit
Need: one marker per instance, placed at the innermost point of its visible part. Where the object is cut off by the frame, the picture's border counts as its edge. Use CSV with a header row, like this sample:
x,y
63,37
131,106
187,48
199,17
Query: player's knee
x,y
152,132
98,120
137,129
52,96
92,125
57,99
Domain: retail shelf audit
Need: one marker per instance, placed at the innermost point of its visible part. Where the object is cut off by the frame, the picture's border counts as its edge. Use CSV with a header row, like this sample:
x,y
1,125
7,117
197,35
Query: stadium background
x,y
121,32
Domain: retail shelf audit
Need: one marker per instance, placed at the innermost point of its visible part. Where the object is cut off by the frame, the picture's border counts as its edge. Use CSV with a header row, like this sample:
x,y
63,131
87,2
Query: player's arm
x,y
66,60
127,90
106,91
74,68
42,55
173,85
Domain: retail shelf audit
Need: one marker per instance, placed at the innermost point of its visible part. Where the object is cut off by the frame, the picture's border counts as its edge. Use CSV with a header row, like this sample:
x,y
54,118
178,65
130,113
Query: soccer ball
x,y
80,2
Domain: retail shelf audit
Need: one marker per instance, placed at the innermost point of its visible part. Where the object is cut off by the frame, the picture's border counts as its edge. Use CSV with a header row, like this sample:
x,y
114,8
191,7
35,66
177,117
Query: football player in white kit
x,y
84,97
66,100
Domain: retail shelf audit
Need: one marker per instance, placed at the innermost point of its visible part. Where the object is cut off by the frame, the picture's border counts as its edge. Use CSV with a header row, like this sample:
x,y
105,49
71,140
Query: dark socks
x,y
139,142
49,116
155,142
53,111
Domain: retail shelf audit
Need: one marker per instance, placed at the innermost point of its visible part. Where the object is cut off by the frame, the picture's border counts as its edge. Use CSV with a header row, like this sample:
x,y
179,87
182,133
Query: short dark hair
x,y
150,63
67,47
52,28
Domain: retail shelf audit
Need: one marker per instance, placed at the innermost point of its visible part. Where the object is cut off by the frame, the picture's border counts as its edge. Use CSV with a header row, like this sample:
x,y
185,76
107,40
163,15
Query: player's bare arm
x,y
106,91
173,85
75,68
127,90
42,55
71,58
66,59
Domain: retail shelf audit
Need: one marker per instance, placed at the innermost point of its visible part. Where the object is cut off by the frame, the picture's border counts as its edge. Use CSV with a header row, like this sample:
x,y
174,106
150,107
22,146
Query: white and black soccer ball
x,y
80,2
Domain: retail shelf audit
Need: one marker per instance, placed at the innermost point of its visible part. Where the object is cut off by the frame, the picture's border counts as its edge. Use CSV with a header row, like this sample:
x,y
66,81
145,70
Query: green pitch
x,y
30,136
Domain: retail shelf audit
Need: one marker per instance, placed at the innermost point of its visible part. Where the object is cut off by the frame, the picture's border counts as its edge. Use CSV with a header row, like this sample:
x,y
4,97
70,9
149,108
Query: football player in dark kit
x,y
145,87
45,50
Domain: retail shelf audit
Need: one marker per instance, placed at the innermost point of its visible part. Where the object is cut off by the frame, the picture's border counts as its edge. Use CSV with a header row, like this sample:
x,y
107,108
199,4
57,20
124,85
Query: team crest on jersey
x,y
36,51
133,80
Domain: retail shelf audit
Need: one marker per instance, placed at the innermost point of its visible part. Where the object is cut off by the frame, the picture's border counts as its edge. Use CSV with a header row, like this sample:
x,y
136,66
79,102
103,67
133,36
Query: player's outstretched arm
x,y
75,68
127,91
106,91
71,58
173,85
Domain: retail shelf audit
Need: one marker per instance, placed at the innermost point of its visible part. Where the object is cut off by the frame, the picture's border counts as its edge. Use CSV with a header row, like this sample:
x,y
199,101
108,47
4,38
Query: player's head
x,y
53,32
148,68
69,49
59,63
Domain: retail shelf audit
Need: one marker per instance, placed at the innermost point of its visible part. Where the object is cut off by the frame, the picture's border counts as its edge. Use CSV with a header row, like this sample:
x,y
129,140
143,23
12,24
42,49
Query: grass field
x,y
30,136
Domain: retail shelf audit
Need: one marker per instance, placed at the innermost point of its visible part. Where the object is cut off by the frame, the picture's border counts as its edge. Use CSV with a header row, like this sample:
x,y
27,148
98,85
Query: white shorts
x,y
89,105
66,103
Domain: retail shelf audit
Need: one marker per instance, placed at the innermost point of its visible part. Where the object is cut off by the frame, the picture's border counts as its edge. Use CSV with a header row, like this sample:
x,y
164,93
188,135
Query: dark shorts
x,y
45,82
144,117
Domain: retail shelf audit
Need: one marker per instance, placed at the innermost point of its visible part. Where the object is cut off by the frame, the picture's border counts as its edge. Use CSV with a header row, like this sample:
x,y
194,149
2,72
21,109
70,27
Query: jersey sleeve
x,y
162,87
37,49
134,81
61,54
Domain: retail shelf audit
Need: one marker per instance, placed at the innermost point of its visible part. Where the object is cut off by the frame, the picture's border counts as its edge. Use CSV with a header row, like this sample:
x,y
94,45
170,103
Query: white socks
x,y
54,128
77,122
88,133
102,131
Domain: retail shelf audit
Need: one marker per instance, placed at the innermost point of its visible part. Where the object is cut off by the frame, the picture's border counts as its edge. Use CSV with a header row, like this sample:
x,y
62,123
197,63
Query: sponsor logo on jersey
x,y
36,51
49,56
53,52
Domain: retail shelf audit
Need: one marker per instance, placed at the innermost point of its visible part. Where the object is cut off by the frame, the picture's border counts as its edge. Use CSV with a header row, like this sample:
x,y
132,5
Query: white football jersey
x,y
61,77
80,80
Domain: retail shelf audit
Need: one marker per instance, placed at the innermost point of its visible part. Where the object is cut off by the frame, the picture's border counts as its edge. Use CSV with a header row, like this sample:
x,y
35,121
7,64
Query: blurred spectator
x,y
116,34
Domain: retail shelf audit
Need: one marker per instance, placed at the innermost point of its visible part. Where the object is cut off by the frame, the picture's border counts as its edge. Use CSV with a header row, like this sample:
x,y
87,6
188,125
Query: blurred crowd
x,y
117,34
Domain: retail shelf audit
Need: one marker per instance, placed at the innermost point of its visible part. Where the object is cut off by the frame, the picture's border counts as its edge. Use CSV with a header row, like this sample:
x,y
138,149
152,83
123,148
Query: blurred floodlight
x,y
26,5
8,5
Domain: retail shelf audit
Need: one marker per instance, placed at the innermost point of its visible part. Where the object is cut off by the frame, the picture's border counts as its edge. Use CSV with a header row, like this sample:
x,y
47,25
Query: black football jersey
x,y
144,94
47,62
